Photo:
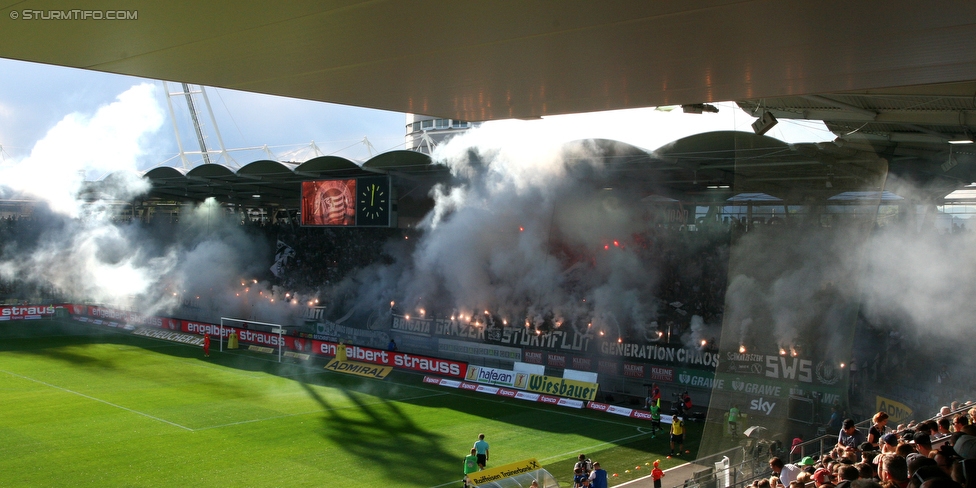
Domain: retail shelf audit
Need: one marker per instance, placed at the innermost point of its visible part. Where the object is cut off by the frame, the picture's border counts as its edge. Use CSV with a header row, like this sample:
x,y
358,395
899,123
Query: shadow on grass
x,y
379,434
63,342
382,435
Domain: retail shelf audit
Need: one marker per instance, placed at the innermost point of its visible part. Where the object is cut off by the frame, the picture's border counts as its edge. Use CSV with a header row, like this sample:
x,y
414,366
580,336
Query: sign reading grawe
x,y
396,359
26,312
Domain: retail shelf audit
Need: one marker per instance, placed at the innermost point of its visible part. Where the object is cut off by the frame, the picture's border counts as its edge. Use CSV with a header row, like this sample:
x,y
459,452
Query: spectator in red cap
x,y
821,477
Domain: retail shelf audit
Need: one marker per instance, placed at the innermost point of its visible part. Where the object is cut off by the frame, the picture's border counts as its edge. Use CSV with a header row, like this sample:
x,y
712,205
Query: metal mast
x,y
188,93
196,124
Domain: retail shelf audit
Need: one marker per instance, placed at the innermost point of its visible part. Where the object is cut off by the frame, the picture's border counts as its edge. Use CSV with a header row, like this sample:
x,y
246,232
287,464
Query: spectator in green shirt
x,y
734,421
470,465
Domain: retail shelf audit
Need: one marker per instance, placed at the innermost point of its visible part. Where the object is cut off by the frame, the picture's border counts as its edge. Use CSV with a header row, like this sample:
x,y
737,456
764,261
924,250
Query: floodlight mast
x,y
196,123
188,93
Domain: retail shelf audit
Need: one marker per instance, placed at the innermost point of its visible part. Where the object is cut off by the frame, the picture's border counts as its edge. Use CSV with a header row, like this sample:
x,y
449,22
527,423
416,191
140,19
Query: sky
x,y
34,98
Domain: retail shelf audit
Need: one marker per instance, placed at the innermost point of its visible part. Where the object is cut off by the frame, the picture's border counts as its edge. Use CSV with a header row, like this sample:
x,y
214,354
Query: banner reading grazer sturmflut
x,y
580,390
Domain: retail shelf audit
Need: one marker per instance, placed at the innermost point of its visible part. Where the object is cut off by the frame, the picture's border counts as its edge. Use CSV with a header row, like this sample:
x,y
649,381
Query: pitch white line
x,y
594,446
526,405
99,400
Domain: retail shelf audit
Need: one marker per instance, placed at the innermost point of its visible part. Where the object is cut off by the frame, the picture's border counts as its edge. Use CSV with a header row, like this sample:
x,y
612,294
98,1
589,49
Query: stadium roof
x,y
511,58
705,167
893,78
275,183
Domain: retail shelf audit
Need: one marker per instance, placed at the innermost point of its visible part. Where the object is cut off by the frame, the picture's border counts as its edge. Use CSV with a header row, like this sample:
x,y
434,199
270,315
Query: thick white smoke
x,y
84,146
83,250
530,229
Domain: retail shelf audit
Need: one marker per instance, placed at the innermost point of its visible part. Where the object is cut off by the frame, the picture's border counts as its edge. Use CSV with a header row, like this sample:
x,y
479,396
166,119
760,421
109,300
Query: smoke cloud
x,y
531,228
77,245
533,232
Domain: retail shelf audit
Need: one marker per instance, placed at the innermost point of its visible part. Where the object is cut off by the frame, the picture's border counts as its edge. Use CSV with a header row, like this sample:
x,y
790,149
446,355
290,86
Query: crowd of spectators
x,y
323,256
17,233
935,453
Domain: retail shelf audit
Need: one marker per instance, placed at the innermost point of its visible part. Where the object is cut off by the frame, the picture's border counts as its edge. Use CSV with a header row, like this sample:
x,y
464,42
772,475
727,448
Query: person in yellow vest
x,y
677,435
341,352
232,340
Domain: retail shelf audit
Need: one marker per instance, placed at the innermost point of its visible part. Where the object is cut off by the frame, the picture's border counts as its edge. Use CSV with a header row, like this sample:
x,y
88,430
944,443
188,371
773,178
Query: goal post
x,y
238,323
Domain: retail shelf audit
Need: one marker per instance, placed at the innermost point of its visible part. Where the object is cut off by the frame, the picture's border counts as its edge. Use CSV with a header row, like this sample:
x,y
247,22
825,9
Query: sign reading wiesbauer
x,y
580,390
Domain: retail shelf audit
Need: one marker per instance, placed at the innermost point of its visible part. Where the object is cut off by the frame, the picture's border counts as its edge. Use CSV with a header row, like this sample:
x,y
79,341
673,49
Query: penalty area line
x,y
99,400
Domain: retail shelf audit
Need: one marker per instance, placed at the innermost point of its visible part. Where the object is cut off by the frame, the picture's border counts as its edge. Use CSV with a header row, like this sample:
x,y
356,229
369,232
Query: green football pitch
x,y
90,406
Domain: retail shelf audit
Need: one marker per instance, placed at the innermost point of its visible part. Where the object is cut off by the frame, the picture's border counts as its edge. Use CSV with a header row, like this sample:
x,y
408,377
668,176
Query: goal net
x,y
244,329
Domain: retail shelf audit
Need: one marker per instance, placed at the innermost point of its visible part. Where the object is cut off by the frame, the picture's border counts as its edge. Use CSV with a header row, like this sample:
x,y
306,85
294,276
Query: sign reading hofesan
x,y
500,377
505,471
580,390
359,369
